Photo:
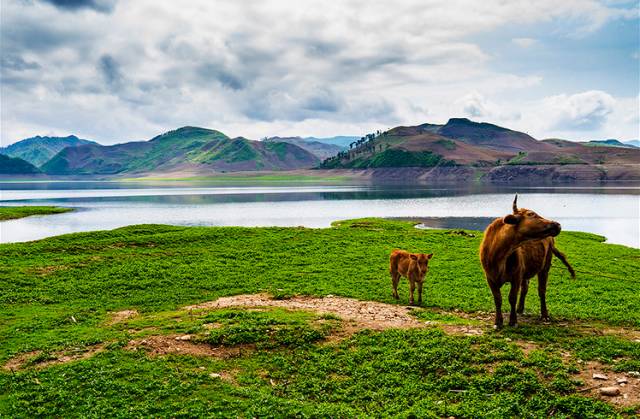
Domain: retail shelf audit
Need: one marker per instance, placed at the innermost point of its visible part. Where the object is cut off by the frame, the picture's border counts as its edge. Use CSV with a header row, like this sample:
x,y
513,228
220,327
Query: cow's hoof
x,y
513,324
520,311
497,326
545,319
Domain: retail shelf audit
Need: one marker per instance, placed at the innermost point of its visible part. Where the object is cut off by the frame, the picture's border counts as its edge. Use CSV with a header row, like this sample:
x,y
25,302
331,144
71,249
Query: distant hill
x,y
16,166
322,150
340,140
635,143
610,143
38,150
187,148
461,142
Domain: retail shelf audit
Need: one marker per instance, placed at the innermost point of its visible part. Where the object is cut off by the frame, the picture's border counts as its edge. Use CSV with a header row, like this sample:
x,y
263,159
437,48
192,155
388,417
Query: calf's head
x,y
530,226
420,262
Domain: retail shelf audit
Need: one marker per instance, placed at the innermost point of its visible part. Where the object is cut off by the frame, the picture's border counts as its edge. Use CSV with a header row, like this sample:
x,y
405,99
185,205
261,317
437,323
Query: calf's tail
x,y
563,259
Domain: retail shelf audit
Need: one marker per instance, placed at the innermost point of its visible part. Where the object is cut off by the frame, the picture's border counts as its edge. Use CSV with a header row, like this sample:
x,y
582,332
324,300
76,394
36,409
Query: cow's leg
x,y
412,286
542,293
497,299
523,295
513,299
420,292
395,279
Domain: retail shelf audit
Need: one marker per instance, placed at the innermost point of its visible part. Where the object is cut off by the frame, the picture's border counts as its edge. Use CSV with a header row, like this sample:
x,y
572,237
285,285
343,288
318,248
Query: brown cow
x,y
514,249
413,266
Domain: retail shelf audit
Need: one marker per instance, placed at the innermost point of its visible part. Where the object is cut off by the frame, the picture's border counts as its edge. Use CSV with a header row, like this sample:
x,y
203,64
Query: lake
x,y
611,211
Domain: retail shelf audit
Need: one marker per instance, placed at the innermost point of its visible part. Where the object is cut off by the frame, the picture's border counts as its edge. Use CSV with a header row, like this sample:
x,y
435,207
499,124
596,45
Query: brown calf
x,y
514,249
413,266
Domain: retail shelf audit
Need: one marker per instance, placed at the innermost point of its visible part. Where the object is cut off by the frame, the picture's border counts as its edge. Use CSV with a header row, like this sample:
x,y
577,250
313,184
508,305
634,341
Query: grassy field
x,y
9,213
58,297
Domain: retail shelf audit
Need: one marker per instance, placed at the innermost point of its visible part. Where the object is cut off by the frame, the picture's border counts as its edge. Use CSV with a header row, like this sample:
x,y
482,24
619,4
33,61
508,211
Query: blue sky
x,y
113,71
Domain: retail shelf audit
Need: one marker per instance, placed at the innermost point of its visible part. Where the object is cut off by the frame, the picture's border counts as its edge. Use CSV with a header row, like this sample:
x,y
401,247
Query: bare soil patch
x,y
20,361
629,386
120,316
357,314
181,344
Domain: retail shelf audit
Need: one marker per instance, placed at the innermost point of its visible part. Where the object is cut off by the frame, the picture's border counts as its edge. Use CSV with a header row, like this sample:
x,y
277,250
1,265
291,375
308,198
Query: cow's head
x,y
420,261
530,226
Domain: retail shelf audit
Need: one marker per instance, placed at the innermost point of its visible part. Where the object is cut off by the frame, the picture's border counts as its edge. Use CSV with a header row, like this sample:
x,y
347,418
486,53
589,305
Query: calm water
x,y
610,211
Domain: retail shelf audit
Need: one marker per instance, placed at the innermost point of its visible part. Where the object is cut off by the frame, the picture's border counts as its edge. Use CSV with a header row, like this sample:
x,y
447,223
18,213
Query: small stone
x,y
507,339
201,368
634,374
610,391
214,375
600,377
622,380
184,337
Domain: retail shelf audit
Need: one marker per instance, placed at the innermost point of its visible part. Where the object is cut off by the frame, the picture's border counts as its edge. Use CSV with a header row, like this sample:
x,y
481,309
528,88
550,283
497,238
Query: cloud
x,y
476,105
524,42
104,6
110,70
581,111
155,64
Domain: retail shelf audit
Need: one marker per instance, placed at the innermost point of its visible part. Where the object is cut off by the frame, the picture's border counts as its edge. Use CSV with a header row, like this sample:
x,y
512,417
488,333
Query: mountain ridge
x,y
40,149
180,149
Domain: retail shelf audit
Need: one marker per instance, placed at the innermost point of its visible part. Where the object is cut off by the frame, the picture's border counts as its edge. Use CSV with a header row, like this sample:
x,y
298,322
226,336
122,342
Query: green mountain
x,y
322,150
16,166
183,149
609,142
38,150
340,140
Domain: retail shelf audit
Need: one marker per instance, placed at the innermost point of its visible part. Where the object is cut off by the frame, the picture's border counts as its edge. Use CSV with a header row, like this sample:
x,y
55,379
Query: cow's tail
x,y
563,259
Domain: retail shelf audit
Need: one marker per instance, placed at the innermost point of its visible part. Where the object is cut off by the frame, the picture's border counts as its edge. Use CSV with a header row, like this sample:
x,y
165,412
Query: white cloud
x,y
581,111
127,70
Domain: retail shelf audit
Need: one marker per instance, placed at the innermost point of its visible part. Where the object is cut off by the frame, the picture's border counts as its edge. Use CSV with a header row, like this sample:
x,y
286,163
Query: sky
x,y
116,71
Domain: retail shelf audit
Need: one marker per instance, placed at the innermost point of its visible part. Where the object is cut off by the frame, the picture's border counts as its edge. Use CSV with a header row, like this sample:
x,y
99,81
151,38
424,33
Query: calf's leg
x,y
412,286
420,292
395,279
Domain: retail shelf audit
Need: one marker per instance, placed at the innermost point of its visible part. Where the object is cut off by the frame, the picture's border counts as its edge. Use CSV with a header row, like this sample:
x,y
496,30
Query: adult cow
x,y
514,249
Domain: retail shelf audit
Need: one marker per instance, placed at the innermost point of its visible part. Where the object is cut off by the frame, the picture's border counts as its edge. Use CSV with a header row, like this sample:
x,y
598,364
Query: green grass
x,y
56,294
9,213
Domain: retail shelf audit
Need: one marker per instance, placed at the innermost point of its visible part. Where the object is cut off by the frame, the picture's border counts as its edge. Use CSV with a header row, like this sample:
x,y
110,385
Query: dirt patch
x,y
182,344
18,361
120,316
21,361
357,314
629,390
367,314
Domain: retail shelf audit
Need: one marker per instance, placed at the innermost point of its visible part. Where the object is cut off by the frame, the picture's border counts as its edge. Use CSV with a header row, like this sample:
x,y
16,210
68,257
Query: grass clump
x,y
9,213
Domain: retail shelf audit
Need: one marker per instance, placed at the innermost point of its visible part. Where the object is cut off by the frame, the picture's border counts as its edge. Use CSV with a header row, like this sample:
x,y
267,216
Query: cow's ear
x,y
430,255
414,257
512,219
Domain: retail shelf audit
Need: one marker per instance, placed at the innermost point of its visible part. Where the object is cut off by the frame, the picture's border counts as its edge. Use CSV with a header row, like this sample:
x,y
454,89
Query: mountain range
x,y
320,147
459,148
462,148
183,149
39,150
